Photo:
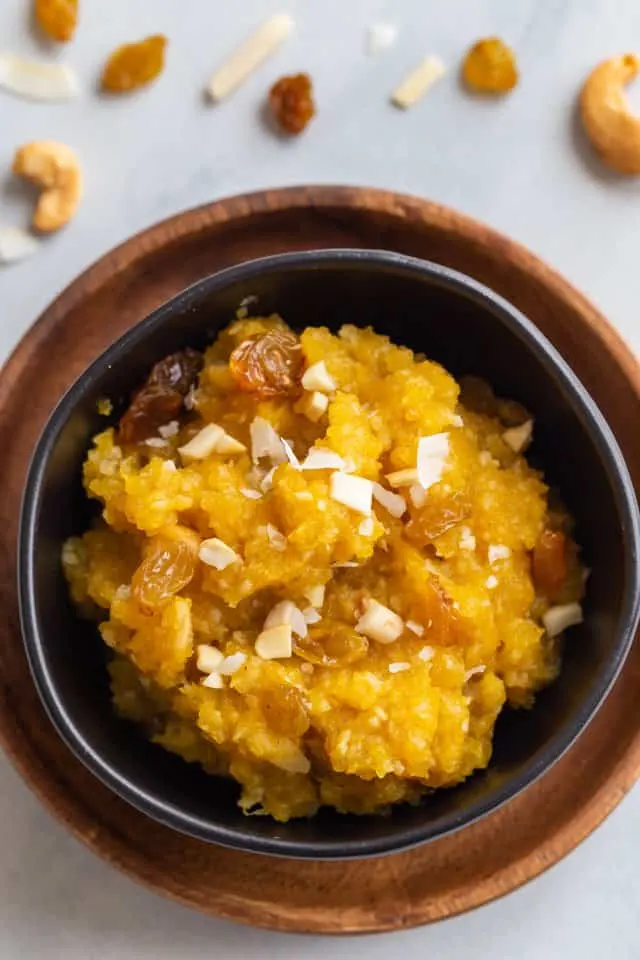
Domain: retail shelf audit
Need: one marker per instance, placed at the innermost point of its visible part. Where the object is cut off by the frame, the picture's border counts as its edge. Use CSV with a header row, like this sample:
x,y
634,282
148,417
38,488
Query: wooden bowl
x,y
432,882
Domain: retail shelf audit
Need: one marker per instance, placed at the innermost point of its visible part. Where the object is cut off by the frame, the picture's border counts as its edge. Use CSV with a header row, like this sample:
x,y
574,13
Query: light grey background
x,y
518,164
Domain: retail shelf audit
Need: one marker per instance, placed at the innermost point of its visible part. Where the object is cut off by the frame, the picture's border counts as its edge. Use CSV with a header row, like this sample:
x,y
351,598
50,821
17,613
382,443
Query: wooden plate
x,y
441,879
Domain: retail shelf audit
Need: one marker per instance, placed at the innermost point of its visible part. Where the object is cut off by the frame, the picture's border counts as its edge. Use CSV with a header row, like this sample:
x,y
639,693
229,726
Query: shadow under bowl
x,y
470,330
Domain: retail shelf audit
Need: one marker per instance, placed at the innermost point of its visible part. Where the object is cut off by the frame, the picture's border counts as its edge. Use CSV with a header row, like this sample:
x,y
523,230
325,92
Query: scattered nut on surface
x,y
264,41
611,126
417,83
55,168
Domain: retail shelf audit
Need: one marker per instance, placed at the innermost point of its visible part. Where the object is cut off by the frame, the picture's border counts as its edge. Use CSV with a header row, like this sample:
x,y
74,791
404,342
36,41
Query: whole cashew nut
x,y
608,121
54,167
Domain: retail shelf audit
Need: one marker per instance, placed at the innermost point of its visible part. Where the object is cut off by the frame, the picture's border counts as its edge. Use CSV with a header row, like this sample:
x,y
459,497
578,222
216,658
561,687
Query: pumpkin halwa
x,y
323,570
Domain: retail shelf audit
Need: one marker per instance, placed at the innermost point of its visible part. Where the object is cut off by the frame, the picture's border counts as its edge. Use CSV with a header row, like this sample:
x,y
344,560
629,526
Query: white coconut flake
x,y
393,503
319,458
399,666
381,36
36,80
290,455
417,495
497,552
267,481
432,457
16,244
415,627
560,618
352,491
403,478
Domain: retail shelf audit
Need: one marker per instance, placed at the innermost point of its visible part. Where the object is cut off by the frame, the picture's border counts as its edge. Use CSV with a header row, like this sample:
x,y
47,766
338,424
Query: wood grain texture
x,y
441,879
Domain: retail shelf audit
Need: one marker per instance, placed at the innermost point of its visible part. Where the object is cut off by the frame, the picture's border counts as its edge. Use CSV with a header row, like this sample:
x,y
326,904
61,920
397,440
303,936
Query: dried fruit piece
x,y
490,67
134,65
331,643
161,398
54,167
285,711
268,364
550,563
438,515
57,18
168,566
291,102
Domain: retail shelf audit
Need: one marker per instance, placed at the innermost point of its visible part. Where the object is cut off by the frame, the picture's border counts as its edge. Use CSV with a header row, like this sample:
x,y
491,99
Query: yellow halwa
x,y
345,720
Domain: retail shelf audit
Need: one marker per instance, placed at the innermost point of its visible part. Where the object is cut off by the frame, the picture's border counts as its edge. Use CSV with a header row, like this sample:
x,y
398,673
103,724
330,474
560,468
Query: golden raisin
x,y
168,566
291,102
161,398
550,563
332,644
490,67
268,364
285,711
134,65
439,514
57,18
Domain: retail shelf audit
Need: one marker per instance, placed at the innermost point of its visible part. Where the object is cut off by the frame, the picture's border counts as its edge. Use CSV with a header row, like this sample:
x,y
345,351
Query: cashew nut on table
x,y
614,130
55,168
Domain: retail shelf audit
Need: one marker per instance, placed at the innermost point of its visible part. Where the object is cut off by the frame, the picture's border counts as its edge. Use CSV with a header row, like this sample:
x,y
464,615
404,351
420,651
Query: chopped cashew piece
x,y
265,442
393,503
560,618
315,595
519,437
414,627
35,80
432,456
16,244
319,458
231,664
426,654
379,623
418,82
275,643
55,168
417,495
290,455
311,615
314,405
208,658
276,538
211,439
497,552
214,680
366,527
249,55
286,613
317,377
380,36
354,492
403,478
399,667
216,553
467,540
610,124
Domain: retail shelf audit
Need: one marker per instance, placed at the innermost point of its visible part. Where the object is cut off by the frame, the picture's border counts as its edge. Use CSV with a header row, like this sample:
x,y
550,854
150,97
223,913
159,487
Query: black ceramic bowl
x,y
469,329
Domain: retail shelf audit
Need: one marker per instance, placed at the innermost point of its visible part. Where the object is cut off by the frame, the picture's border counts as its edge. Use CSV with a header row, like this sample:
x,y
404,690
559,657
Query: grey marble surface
x,y
519,164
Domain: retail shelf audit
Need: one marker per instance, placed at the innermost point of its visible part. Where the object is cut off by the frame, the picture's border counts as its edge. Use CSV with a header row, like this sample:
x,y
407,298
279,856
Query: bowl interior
x,y
468,330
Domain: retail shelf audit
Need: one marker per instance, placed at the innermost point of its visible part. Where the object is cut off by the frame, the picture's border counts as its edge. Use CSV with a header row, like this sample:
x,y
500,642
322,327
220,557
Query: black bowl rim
x,y
574,392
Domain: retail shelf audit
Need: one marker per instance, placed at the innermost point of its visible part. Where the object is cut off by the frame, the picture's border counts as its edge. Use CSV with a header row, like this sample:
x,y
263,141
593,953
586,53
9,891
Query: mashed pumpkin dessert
x,y
323,570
